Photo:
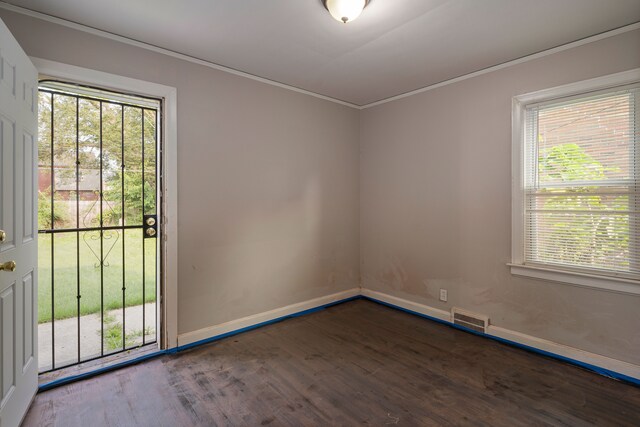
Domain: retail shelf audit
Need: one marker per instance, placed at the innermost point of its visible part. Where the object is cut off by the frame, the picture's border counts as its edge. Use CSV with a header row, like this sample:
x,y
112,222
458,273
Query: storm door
x,y
98,216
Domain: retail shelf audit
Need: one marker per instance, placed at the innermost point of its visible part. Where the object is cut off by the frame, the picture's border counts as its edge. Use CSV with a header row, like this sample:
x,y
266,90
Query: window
x,y
576,183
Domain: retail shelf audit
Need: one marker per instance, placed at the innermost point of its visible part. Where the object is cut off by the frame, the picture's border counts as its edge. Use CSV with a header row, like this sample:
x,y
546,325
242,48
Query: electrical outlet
x,y
443,295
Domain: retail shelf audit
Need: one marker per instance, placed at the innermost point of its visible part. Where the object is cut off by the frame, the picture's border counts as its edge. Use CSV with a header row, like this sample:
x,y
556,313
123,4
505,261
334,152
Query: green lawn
x,y
66,275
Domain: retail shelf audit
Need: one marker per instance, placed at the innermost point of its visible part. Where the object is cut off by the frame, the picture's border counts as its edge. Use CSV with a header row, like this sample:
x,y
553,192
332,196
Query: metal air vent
x,y
473,321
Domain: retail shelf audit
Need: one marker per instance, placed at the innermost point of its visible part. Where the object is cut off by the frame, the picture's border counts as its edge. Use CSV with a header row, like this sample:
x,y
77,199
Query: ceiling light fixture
x,y
345,10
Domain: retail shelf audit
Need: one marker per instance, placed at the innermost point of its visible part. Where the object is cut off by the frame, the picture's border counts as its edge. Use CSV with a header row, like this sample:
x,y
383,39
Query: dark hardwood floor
x,y
356,363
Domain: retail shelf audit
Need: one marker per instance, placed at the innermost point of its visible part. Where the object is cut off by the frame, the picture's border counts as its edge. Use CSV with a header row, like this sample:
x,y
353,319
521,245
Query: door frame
x,y
168,336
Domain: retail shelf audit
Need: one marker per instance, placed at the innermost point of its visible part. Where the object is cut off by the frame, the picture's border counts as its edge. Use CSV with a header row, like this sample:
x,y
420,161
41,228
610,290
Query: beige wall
x,y
267,179
436,209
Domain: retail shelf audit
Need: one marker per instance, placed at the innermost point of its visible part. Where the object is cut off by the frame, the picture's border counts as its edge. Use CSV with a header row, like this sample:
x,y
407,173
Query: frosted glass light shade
x,y
345,10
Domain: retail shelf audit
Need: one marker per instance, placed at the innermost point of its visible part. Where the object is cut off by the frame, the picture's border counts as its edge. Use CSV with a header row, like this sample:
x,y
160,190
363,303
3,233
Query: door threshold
x,y
90,368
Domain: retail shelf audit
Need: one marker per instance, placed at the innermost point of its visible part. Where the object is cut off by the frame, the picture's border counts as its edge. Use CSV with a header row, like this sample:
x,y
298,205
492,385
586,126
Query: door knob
x,y
150,232
8,266
151,221
3,236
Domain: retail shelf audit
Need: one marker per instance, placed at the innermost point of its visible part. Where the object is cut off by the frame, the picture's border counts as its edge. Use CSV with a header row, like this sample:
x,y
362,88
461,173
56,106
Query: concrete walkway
x,y
66,334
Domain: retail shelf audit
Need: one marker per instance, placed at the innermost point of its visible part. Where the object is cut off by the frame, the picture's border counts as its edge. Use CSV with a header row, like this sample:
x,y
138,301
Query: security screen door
x,y
98,216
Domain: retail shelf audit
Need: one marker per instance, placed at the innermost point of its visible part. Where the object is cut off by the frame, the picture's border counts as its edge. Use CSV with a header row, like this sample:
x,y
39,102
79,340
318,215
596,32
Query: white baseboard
x,y
408,305
615,366
257,319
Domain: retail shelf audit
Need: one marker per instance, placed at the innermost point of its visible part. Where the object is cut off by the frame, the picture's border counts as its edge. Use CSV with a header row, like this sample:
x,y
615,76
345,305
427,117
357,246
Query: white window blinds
x,y
582,161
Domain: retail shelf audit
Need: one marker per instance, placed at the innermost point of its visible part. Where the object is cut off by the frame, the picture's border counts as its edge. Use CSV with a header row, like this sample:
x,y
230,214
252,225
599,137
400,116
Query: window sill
x,y
611,284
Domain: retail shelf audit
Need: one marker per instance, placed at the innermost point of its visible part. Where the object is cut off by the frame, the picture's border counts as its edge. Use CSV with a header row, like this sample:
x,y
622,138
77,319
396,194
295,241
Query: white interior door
x,y
18,220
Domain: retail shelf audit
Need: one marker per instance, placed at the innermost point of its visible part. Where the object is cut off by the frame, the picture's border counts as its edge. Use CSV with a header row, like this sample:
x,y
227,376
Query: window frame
x,y
517,265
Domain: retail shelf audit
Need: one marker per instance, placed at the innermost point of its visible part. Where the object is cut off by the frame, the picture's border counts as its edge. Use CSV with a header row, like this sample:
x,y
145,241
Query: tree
x,y
581,222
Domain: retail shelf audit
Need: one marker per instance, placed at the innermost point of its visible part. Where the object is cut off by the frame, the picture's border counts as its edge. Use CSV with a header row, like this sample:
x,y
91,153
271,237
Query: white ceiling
x,y
396,46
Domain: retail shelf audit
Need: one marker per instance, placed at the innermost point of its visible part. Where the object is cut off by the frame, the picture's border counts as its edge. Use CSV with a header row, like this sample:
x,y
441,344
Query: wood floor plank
x,y
357,363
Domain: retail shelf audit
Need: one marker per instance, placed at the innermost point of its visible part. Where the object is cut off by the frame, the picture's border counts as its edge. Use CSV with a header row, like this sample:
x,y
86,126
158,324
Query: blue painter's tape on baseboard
x,y
265,323
602,371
